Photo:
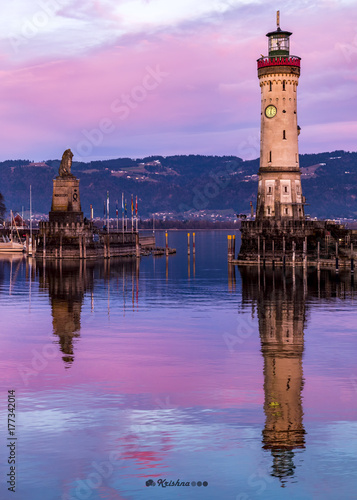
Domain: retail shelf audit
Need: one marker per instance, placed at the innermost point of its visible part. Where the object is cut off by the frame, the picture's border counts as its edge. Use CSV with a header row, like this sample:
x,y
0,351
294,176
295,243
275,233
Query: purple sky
x,y
165,78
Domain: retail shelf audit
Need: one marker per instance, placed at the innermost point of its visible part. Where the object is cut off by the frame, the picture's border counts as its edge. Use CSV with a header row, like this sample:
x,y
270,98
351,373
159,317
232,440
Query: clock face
x,y
270,111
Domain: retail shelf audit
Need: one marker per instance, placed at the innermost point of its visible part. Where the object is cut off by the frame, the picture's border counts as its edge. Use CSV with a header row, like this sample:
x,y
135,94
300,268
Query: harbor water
x,y
178,377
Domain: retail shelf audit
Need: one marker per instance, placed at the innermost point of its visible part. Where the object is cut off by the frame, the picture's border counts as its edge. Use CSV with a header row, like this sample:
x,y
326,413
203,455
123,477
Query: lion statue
x,y
66,163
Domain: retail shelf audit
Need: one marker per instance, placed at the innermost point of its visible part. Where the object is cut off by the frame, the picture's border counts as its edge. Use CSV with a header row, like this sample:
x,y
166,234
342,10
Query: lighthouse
x,y
279,188
281,233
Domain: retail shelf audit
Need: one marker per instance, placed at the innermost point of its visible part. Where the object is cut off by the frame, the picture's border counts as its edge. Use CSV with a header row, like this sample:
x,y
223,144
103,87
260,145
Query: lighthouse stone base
x,y
296,241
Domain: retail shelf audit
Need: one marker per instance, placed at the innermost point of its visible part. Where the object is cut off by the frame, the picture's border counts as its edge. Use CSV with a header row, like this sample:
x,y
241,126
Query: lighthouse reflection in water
x,y
280,301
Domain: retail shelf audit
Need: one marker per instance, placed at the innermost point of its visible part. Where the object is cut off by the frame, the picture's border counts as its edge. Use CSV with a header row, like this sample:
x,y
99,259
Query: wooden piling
x,y
194,243
352,262
61,247
167,243
273,252
336,256
104,247
188,244
294,246
80,246
230,257
233,246
230,275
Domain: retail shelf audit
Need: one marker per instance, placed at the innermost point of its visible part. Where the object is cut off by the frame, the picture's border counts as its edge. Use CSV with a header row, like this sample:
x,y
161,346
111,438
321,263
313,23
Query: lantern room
x,y
279,40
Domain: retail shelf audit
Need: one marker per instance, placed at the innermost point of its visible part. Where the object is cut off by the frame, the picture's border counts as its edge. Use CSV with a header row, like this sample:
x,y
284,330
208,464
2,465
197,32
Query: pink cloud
x,y
211,88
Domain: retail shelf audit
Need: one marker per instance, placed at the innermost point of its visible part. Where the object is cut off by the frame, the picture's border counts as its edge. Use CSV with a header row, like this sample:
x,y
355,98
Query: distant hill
x,y
181,184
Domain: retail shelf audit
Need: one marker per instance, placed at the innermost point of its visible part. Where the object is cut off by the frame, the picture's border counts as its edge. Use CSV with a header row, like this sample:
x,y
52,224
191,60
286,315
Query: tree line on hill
x,y
182,184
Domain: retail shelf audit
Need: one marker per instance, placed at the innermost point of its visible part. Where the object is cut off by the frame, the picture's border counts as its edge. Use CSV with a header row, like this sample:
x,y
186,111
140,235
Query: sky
x,y
132,78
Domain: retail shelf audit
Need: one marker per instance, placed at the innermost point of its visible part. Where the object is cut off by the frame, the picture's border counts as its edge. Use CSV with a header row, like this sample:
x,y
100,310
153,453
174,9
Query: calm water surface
x,y
179,369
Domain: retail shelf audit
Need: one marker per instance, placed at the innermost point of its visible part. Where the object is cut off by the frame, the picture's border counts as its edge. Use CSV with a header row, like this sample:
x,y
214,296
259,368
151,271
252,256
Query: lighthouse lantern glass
x,y
279,44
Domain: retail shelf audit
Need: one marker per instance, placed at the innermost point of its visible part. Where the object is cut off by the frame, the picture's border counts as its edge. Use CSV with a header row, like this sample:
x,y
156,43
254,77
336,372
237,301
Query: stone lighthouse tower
x,y
280,232
279,188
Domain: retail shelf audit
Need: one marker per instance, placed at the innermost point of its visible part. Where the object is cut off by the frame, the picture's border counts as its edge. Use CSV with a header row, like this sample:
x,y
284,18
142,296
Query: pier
x,y
69,235
310,243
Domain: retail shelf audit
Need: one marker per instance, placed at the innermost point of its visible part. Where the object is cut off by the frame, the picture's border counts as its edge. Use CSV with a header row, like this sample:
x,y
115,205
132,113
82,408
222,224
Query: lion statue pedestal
x,y
66,205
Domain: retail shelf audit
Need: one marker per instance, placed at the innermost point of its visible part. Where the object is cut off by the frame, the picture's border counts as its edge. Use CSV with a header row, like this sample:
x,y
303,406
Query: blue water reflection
x,y
180,368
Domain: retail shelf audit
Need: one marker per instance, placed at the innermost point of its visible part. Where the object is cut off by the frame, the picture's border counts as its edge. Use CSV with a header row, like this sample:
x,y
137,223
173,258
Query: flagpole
x,y
29,249
122,211
117,214
136,212
132,214
108,212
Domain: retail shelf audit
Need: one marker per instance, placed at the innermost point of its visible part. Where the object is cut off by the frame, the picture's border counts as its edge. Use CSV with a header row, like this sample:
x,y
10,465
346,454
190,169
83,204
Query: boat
x,y
9,246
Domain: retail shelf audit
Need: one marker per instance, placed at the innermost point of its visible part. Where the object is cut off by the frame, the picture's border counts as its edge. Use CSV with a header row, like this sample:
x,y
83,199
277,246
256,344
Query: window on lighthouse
x,y
270,86
284,134
283,84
